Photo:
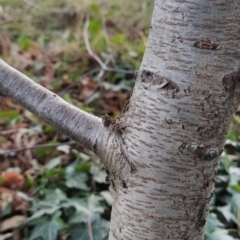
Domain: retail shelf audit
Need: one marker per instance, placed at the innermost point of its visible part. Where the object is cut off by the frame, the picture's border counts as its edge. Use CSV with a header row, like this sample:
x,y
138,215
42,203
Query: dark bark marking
x,y
43,97
124,183
211,130
147,76
135,75
106,120
123,152
230,81
158,82
205,183
95,146
206,44
165,83
161,82
210,154
212,193
113,185
107,178
169,121
126,106
201,216
199,128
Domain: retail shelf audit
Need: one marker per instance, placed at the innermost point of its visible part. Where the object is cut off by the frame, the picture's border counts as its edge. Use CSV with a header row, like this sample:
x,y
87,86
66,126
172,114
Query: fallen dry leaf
x,y
11,223
5,236
8,196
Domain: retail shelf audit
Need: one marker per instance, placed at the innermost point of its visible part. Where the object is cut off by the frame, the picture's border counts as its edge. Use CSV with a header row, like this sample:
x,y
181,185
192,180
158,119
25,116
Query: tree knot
x,y
231,80
202,151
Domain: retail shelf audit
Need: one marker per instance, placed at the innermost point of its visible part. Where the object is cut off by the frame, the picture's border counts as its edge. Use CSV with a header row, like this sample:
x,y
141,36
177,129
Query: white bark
x,y
162,152
186,92
82,127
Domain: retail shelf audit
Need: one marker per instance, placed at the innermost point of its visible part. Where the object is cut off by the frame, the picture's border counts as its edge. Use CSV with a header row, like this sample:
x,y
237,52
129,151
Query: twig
x,y
92,54
5,132
90,233
34,5
13,152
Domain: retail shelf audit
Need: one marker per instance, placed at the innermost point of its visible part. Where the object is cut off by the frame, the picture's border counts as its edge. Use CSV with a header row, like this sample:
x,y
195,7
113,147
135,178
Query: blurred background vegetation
x,y
86,51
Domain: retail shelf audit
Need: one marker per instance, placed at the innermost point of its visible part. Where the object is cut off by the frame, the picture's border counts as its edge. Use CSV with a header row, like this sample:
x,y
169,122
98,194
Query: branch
x,y
82,127
104,67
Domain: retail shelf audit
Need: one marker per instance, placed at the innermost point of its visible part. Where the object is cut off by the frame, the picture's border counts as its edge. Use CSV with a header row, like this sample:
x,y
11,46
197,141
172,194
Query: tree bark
x,y
186,92
163,151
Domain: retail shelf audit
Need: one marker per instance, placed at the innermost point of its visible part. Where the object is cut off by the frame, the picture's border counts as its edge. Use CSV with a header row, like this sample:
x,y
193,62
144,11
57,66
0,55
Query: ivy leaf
x,y
234,175
46,231
236,188
77,180
219,235
212,223
107,197
64,148
54,197
41,213
97,227
86,208
225,162
6,211
226,212
235,205
99,174
47,228
53,163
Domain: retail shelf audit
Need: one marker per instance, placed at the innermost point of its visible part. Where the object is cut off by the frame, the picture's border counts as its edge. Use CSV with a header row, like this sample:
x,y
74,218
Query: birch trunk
x,y
162,152
186,92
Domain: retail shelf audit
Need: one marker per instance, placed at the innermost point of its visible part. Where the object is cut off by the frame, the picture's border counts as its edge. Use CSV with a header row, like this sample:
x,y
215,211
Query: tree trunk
x,y
162,152
177,122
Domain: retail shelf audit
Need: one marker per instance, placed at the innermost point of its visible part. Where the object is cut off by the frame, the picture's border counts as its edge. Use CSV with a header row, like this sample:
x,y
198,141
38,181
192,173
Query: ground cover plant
x,y
86,52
